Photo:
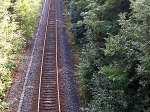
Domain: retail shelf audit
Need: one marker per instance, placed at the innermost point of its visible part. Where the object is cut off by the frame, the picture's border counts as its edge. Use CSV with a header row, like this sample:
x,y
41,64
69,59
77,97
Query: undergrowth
x,y
17,23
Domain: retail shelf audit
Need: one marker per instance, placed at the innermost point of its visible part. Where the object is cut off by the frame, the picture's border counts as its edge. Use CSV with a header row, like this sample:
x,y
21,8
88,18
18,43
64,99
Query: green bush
x,y
27,13
130,50
114,67
13,37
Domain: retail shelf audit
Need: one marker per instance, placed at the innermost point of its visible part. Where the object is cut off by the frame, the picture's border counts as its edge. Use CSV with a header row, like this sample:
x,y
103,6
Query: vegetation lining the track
x,y
70,36
113,37
17,23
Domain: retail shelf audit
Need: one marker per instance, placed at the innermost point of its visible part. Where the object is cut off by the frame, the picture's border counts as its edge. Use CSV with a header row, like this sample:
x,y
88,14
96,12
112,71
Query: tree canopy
x,y
114,64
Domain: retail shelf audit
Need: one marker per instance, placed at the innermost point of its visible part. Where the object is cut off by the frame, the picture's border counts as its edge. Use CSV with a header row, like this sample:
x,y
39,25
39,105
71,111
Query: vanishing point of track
x,y
48,91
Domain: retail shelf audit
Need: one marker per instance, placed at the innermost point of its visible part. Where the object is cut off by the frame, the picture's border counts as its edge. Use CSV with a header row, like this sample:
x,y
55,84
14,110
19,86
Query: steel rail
x,y
43,59
57,69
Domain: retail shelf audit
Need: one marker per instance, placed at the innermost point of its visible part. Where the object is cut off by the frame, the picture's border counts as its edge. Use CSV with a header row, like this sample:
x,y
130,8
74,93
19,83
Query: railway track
x,y
40,90
48,89
48,99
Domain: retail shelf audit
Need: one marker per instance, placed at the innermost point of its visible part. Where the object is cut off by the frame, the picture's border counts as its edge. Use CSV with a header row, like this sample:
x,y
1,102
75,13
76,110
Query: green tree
x,y
130,51
12,39
11,43
74,8
114,66
100,19
27,13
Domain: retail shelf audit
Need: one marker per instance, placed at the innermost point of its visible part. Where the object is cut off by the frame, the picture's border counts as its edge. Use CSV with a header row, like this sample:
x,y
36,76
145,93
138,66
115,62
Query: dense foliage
x,y
75,7
114,68
17,22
